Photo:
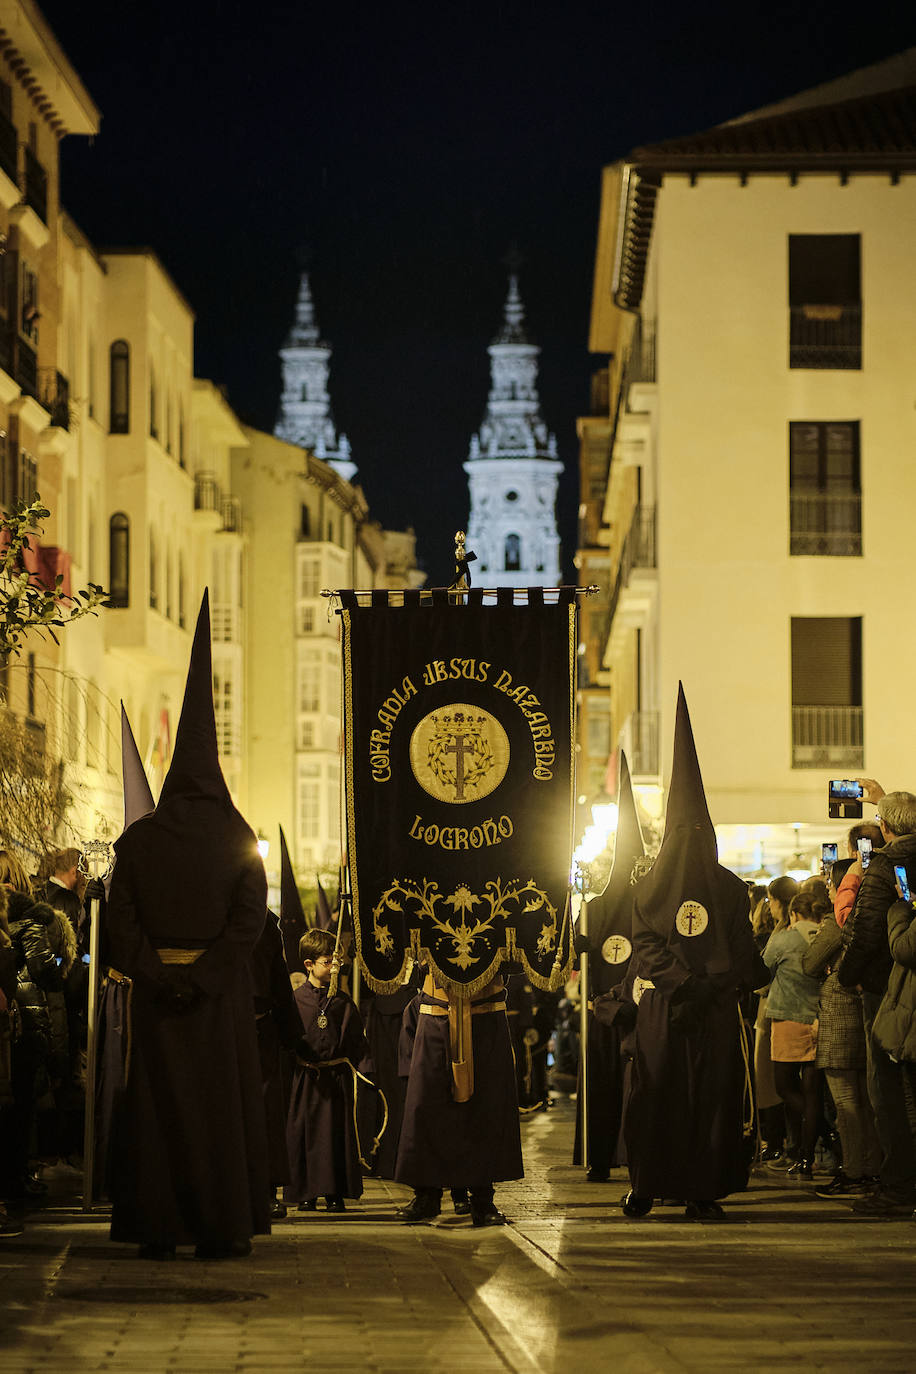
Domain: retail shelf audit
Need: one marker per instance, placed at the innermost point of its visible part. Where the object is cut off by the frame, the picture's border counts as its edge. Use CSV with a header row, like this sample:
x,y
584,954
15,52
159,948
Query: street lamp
x,y
263,846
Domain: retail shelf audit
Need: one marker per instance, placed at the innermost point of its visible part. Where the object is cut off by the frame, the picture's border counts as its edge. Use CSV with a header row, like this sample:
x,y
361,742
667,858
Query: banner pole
x,y
583,1024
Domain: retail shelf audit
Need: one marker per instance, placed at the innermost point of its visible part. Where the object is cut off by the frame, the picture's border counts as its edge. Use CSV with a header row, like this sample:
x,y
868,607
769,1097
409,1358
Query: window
x,y
182,458
310,687
825,301
153,405
28,477
307,734
153,573
827,692
310,802
181,596
307,620
513,553
28,323
119,385
305,523
119,560
309,578
825,497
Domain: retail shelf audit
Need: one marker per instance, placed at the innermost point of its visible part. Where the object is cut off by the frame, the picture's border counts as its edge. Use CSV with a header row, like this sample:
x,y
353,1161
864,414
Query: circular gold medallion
x,y
691,918
641,986
459,753
616,949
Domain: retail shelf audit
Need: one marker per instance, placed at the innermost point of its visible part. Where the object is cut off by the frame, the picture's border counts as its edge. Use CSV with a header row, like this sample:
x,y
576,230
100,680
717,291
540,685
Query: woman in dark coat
x,y
32,1058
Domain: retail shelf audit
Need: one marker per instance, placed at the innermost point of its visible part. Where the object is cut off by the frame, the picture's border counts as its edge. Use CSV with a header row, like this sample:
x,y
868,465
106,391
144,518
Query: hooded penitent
x,y
292,918
687,893
324,919
187,905
610,915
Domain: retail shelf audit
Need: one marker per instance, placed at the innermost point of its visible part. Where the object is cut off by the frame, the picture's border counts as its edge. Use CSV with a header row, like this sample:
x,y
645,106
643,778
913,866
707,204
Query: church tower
x,y
305,407
513,467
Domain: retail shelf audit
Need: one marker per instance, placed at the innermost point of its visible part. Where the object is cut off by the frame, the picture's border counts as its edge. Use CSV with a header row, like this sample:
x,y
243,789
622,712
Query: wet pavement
x,y
786,1282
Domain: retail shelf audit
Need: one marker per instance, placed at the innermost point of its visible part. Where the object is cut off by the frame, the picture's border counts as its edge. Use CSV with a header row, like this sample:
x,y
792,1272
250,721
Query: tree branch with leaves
x,y
27,604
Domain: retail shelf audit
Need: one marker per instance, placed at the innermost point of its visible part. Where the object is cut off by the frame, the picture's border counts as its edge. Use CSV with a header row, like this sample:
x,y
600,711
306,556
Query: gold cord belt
x,y
179,956
475,1010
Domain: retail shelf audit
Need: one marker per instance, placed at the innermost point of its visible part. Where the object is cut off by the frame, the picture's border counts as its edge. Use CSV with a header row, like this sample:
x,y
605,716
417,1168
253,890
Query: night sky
x,y
408,146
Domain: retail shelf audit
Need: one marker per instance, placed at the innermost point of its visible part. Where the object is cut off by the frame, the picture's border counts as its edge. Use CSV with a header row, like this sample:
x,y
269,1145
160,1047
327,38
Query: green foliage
x,y
26,605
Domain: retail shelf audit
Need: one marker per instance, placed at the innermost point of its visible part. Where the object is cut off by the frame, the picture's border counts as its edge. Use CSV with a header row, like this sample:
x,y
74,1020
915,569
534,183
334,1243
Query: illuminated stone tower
x,y
305,407
513,467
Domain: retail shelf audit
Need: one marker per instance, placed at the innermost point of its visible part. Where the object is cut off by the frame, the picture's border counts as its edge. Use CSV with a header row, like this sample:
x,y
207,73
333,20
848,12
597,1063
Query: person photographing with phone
x,y
867,963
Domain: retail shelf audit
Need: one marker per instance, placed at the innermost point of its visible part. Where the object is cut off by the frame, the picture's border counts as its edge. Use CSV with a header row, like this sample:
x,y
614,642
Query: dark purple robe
x,y
320,1131
188,1152
383,1032
279,1029
683,1116
449,1144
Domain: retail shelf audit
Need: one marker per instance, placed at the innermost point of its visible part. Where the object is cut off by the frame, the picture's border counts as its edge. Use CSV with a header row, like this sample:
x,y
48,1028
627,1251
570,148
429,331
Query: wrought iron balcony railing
x,y
825,336
825,523
827,737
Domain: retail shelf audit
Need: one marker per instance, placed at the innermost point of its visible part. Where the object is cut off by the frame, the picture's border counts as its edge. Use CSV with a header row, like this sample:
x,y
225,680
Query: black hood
x,y
687,881
611,913
194,772
292,918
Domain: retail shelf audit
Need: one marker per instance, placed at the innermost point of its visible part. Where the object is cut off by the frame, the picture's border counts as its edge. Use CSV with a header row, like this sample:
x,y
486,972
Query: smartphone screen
x,y
828,853
900,873
864,848
844,789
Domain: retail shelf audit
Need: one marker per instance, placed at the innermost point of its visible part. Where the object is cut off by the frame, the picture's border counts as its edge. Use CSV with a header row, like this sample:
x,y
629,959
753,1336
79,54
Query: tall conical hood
x,y
194,770
292,918
323,917
138,797
610,915
687,805
688,898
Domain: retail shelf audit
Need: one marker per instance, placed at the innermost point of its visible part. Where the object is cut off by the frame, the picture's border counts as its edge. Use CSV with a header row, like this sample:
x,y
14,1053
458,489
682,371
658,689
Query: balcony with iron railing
x,y
54,395
825,524
639,741
231,511
825,336
207,494
638,551
9,148
35,191
827,737
641,356
226,623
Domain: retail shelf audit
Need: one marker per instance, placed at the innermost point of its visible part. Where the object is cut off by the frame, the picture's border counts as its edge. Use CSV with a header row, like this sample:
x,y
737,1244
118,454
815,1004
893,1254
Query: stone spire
x,y
512,466
305,407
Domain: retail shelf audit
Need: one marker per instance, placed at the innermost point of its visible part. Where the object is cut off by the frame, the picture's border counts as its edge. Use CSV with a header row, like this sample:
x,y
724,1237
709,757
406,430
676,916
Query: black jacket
x,y
867,956
37,970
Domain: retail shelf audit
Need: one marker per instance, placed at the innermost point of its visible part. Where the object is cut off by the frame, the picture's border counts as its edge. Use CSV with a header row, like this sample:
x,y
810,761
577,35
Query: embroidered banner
x,y
459,778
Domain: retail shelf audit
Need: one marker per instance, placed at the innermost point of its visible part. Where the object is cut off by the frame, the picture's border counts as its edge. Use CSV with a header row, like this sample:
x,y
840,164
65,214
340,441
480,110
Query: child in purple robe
x,y
321,1135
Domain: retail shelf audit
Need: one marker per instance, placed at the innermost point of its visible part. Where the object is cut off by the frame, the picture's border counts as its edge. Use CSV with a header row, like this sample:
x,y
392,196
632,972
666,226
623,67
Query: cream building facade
x,y
755,289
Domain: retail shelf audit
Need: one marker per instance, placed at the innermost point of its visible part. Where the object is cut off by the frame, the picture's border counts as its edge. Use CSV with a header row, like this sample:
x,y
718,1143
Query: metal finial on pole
x,y
95,864
463,557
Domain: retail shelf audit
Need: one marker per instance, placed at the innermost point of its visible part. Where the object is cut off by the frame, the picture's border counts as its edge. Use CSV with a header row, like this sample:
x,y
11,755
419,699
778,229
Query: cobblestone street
x,y
789,1282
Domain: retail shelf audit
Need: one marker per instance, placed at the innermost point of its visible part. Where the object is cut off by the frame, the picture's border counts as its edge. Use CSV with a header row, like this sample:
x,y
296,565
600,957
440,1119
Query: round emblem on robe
x,y
641,985
691,919
616,949
459,753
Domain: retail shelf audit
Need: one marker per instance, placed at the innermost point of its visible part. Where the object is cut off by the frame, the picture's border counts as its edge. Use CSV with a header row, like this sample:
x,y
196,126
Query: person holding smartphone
x,y
867,963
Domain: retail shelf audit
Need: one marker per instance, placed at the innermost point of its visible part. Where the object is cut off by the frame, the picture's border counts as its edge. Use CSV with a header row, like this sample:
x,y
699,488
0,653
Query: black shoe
x,y
704,1211
334,1203
596,1176
462,1207
236,1249
418,1210
310,1205
802,1170
634,1206
156,1252
278,1210
488,1216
